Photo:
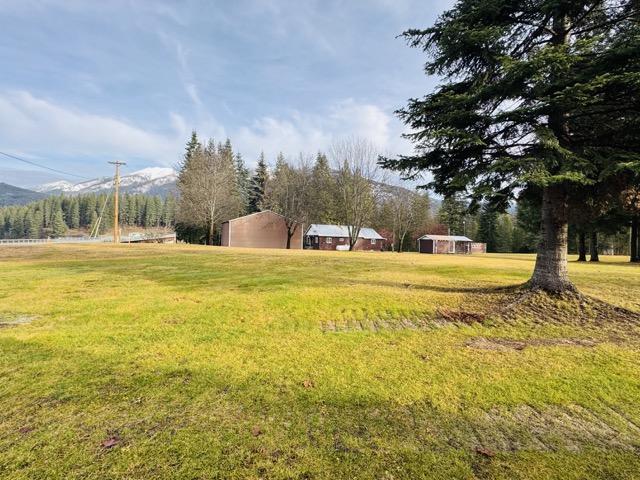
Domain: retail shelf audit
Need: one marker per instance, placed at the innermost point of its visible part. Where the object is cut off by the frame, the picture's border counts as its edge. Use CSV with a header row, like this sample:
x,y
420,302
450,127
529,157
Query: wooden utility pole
x,y
116,229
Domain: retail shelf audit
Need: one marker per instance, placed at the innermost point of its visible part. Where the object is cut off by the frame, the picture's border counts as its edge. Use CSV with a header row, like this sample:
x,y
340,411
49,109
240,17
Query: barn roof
x,y
262,212
341,231
455,238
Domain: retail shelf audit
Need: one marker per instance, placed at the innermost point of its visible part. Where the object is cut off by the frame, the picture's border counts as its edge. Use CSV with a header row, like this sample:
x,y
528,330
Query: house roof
x,y
341,231
455,238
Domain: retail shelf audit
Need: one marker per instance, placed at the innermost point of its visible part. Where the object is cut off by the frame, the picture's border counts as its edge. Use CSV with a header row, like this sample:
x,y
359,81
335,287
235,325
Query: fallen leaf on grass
x,y
110,442
308,384
25,430
486,452
256,431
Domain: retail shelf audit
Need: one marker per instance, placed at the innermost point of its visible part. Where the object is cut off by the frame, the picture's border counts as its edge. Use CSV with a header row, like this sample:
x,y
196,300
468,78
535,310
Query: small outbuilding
x,y
336,237
265,229
443,244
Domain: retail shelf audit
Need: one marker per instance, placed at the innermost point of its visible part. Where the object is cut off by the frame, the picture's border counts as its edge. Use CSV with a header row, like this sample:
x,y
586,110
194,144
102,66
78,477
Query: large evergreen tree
x,y
487,227
74,213
536,93
192,146
504,233
258,184
453,214
58,226
130,210
32,229
324,191
243,183
169,211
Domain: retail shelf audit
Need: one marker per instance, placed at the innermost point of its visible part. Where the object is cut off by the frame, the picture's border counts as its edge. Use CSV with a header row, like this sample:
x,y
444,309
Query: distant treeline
x,y
518,230
55,216
342,187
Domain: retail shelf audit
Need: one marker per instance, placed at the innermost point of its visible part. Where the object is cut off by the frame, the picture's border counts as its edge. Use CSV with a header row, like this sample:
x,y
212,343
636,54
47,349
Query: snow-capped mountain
x,y
152,181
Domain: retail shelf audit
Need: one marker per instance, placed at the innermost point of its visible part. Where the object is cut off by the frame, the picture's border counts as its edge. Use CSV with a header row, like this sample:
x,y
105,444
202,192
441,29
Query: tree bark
x,y
211,233
550,273
582,247
635,246
593,247
353,237
401,242
289,235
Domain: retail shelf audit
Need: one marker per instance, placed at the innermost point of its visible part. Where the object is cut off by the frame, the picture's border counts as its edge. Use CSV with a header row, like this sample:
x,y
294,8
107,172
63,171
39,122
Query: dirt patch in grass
x,y
459,316
512,307
416,322
509,344
15,320
374,324
569,308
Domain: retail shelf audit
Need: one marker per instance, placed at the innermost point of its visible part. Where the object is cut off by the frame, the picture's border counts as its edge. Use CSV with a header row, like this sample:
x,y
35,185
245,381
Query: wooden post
x,y
116,229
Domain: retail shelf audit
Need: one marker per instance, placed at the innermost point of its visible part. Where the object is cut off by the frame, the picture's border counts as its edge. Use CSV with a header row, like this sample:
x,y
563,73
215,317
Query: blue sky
x,y
84,82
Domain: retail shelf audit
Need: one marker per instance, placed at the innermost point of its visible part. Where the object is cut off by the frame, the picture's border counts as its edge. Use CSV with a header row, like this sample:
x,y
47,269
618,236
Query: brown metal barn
x,y
443,244
259,230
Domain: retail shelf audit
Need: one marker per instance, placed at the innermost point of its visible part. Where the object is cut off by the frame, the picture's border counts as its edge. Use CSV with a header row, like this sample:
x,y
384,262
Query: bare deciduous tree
x,y
208,193
289,192
355,161
408,211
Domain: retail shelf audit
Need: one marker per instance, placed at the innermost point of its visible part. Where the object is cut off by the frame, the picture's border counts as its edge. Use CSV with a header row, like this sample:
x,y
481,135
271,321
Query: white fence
x,y
134,238
39,241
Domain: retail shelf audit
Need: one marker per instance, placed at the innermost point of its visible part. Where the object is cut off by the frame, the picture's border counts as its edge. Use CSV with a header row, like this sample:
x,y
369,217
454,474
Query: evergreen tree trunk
x,y
635,246
593,247
582,247
550,273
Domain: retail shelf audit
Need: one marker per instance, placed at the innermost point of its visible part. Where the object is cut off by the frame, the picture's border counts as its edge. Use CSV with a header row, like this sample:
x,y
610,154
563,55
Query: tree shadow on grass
x,y
488,290
607,264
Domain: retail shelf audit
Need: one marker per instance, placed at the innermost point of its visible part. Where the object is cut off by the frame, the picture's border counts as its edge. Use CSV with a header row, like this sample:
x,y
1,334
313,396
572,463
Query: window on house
x,y
329,240
373,241
316,240
341,239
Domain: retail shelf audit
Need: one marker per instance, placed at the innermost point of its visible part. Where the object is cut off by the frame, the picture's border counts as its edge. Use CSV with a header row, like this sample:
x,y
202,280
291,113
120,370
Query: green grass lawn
x,y
206,363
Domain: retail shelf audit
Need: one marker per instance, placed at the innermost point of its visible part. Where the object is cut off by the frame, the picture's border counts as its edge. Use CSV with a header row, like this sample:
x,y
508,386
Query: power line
x,y
43,166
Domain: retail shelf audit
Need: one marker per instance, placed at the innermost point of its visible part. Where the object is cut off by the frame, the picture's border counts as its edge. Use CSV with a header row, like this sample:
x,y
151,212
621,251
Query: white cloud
x,y
41,127
367,121
301,132
30,123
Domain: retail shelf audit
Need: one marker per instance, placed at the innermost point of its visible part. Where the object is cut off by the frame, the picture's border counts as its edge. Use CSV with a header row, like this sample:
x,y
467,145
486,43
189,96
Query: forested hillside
x,y
11,195
58,215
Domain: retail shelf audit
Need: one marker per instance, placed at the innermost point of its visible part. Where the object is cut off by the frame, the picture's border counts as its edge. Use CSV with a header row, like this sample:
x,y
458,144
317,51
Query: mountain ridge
x,y
12,195
152,181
